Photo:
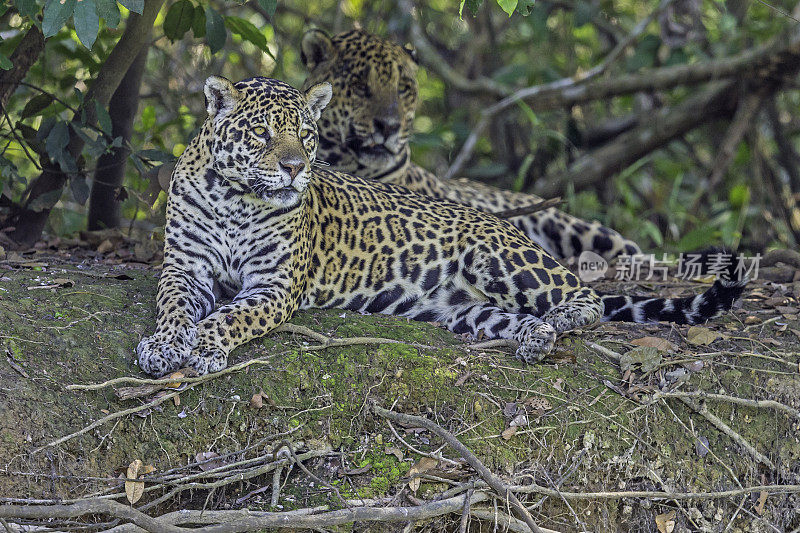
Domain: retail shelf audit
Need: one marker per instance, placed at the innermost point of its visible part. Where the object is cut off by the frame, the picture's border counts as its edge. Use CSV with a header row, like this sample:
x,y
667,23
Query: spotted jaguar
x,y
257,229
365,131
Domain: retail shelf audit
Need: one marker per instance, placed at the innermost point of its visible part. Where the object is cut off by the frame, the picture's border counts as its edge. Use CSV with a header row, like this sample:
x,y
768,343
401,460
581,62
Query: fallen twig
x,y
249,522
327,342
112,416
493,481
715,421
768,404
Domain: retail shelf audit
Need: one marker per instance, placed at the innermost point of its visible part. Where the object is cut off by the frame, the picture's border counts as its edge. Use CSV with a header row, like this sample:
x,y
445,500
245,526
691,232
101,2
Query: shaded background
x,y
670,164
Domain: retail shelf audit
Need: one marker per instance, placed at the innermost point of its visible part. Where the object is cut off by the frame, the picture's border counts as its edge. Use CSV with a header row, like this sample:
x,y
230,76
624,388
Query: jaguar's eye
x,y
306,134
260,131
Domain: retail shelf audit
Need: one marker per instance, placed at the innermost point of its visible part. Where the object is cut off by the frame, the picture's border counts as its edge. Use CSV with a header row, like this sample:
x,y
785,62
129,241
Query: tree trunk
x,y
44,193
25,54
103,203
655,131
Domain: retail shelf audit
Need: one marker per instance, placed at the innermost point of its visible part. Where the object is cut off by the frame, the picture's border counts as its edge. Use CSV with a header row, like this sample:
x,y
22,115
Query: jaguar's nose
x,y
292,166
387,126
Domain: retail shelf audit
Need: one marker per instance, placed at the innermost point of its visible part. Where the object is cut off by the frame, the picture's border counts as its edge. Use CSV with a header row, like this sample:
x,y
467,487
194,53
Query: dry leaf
x,y
424,464
665,522
750,320
261,398
397,452
762,499
105,246
648,357
176,376
655,342
701,446
701,335
509,432
538,404
134,489
206,464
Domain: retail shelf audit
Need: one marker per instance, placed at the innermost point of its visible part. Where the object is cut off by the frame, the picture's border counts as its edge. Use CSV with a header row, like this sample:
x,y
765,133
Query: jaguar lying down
x,y
250,215
365,131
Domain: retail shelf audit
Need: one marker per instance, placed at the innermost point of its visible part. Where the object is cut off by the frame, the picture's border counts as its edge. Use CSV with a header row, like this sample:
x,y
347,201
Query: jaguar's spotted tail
x,y
689,310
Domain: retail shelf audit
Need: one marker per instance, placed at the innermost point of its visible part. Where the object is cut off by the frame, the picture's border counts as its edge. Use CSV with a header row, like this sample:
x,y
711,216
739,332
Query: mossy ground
x,y
589,438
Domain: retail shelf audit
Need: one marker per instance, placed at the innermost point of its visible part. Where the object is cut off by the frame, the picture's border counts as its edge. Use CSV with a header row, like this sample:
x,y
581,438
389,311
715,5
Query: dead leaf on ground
x,y
397,452
58,283
260,399
648,357
655,342
206,461
510,409
762,500
134,489
424,464
699,335
701,446
509,432
665,522
538,404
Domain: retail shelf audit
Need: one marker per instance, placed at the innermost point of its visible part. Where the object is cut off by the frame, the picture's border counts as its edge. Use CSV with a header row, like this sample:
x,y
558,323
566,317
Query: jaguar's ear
x,y
318,97
315,48
221,96
412,52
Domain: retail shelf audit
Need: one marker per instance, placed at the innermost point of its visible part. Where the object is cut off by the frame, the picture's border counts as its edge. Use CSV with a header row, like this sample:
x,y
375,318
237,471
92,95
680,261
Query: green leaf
x,y
472,5
155,155
109,11
87,23
5,62
79,187
103,118
269,6
179,19
27,8
137,6
148,118
524,7
56,15
216,34
697,238
508,6
645,54
199,22
247,31
35,105
57,140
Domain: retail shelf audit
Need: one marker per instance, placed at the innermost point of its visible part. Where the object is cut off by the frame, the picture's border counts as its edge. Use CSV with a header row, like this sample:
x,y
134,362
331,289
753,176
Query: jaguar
x,y
365,131
256,229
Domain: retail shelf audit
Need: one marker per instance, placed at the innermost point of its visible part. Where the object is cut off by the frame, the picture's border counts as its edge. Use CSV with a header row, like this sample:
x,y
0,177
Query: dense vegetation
x,y
684,134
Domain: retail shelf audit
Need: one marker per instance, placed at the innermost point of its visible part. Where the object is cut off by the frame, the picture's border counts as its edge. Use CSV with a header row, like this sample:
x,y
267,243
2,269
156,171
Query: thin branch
x,y
112,416
742,121
778,56
253,520
758,404
493,481
714,420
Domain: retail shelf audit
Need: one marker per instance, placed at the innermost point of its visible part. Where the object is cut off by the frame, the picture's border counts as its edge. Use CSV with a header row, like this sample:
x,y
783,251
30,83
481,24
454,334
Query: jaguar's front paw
x,y
536,343
159,356
207,360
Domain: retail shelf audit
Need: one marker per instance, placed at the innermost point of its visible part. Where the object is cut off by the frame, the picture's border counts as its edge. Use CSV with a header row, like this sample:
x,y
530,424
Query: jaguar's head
x,y
366,126
264,135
